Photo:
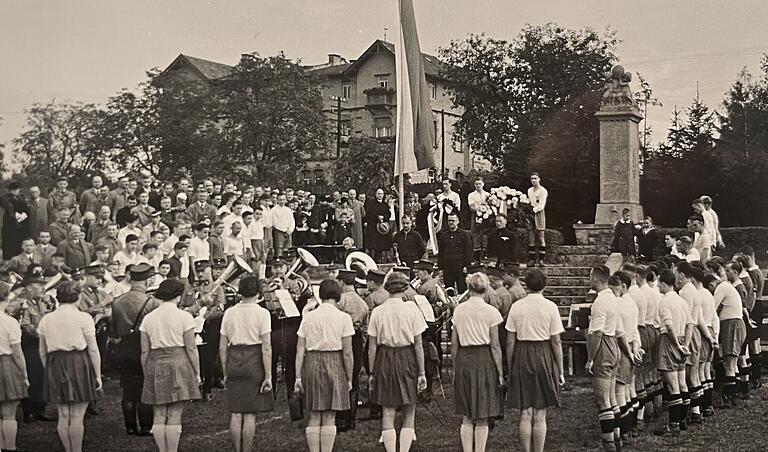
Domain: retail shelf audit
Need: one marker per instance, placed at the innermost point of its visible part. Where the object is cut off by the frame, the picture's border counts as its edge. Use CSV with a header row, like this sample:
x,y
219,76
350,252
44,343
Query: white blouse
x,y
65,328
245,323
534,318
10,333
395,323
166,326
473,320
324,328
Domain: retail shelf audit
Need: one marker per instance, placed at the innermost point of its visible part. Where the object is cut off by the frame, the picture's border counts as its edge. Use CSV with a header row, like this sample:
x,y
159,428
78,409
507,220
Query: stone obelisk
x,y
619,117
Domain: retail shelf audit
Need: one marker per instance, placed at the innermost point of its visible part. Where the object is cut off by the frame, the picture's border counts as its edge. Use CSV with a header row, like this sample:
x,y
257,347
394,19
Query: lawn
x,y
571,428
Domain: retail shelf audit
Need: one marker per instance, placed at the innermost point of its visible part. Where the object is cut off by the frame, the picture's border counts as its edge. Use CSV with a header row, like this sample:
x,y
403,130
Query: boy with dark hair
x,y
624,236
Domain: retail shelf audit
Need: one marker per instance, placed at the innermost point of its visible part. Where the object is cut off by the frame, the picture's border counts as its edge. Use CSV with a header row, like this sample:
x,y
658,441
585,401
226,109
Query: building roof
x,y
432,65
209,70
327,71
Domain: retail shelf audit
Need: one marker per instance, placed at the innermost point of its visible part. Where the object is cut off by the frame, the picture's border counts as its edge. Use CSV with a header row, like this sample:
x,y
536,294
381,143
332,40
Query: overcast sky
x,y
83,50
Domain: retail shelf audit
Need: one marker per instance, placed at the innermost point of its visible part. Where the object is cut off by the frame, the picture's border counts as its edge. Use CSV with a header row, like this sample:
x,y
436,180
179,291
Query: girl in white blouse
x,y
13,374
535,358
170,362
477,362
246,356
324,364
72,363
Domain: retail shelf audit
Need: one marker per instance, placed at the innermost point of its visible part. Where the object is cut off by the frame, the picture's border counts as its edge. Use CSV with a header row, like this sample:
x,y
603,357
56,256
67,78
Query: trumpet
x,y
416,283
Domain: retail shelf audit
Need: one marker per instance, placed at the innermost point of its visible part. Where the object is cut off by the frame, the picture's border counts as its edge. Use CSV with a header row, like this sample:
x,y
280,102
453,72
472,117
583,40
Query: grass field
x,y
571,428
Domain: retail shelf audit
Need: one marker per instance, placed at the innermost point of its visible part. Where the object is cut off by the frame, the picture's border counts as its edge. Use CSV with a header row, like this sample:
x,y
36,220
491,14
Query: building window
x,y
319,176
434,91
458,145
306,177
381,132
432,175
437,135
383,81
345,128
346,91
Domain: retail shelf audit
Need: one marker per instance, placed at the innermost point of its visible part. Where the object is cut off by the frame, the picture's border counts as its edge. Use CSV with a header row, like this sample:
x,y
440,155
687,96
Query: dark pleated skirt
x,y
11,380
325,381
169,377
396,378
533,382
245,374
70,377
476,389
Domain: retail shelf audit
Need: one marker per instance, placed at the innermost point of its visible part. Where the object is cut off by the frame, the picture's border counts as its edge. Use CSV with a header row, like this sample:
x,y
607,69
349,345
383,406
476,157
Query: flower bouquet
x,y
512,203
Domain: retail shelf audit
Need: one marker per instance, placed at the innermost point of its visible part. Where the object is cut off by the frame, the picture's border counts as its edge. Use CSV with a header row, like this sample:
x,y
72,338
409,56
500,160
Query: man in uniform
x,y
128,310
352,304
496,278
456,251
284,330
98,303
29,307
376,293
214,298
429,288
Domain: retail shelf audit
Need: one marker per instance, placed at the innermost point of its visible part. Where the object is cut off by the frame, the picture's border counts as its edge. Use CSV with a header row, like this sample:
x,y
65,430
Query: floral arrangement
x,y
509,201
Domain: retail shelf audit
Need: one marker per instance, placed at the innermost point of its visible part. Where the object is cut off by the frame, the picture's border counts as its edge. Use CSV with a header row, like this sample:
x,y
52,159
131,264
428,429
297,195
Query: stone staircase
x,y
566,285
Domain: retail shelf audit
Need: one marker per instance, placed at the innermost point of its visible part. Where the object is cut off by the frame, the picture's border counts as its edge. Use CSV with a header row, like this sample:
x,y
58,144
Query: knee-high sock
x,y
63,429
313,438
172,437
481,437
158,432
76,433
406,439
390,440
606,424
327,437
467,433
10,428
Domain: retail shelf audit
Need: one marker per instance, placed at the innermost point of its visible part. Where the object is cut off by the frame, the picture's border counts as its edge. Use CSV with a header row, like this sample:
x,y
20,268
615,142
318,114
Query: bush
x,y
734,238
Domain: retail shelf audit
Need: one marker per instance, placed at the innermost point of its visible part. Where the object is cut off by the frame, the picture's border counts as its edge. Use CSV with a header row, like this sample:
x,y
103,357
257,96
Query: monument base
x,y
593,234
610,213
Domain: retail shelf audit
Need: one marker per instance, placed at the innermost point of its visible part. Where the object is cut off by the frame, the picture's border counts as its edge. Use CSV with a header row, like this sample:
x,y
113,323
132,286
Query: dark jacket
x,y
410,246
502,244
646,242
624,238
455,245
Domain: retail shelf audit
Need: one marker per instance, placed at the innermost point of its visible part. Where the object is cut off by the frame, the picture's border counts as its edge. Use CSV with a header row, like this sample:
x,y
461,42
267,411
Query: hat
x,y
94,270
402,270
133,216
169,289
131,238
199,265
496,272
334,266
78,272
383,228
33,279
182,196
219,262
476,268
14,186
347,276
279,261
424,265
141,272
156,213
376,276
396,283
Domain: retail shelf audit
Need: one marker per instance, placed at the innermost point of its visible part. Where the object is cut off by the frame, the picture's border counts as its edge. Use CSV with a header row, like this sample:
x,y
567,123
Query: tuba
x,y
234,270
304,260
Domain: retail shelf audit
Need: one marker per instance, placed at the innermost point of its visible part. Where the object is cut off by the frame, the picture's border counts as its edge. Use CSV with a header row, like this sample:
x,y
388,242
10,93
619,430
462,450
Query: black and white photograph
x,y
383,226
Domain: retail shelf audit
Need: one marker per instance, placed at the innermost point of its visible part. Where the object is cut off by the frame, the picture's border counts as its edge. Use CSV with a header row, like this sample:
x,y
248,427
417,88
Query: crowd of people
x,y
181,290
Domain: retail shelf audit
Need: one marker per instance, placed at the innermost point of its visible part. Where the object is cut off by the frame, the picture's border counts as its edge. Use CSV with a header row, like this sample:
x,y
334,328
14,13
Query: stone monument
x,y
619,117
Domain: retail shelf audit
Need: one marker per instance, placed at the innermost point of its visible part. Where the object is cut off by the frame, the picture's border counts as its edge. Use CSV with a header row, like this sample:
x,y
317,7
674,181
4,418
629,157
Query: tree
x,y
270,115
64,139
509,90
366,164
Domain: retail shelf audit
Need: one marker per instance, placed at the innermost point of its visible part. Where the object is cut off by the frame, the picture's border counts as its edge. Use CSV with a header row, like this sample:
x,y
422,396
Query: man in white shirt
x,y
129,255
254,224
449,194
713,225
537,195
605,341
234,243
704,242
199,249
477,198
283,225
132,228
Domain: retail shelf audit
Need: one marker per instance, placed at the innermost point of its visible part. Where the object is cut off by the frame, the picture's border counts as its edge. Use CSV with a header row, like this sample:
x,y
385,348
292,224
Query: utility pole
x,y
338,100
442,143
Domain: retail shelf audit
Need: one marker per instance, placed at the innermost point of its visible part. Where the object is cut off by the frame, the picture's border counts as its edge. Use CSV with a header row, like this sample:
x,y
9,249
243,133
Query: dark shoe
x,y
93,410
609,446
208,397
683,426
29,419
44,417
668,430
696,419
144,432
131,431
709,412
218,383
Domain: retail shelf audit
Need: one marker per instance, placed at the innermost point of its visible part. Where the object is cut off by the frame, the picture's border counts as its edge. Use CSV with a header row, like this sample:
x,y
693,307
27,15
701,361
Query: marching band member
x,y
72,361
394,334
284,340
351,303
535,360
13,374
29,307
376,293
128,311
246,357
477,356
605,342
170,362
325,361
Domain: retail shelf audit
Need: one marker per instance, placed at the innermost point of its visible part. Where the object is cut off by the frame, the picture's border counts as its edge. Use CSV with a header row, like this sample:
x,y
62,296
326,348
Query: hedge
x,y
734,238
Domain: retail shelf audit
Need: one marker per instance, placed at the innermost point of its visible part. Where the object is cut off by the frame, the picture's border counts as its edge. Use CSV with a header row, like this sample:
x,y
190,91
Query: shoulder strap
x,y
138,315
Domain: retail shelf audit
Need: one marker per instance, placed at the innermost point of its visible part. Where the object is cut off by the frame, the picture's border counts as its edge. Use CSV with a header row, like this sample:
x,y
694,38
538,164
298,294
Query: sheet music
x,y
200,319
286,302
426,308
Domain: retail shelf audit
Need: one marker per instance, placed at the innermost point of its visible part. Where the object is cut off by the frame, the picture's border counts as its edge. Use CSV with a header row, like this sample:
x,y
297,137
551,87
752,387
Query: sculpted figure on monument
x,y
617,92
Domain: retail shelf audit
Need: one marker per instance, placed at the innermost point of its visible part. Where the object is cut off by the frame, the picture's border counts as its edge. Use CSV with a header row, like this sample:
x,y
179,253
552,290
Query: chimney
x,y
334,59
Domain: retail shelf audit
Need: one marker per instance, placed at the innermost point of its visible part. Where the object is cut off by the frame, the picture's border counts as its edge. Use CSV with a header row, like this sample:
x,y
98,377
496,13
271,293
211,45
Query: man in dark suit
x,y
15,220
646,241
502,242
456,250
27,257
39,218
624,236
76,251
44,249
200,208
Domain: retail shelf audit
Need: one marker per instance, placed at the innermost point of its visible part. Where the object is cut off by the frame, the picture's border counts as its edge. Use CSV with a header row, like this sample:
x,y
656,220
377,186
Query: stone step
x,y
573,281
565,291
563,270
584,249
567,300
585,260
